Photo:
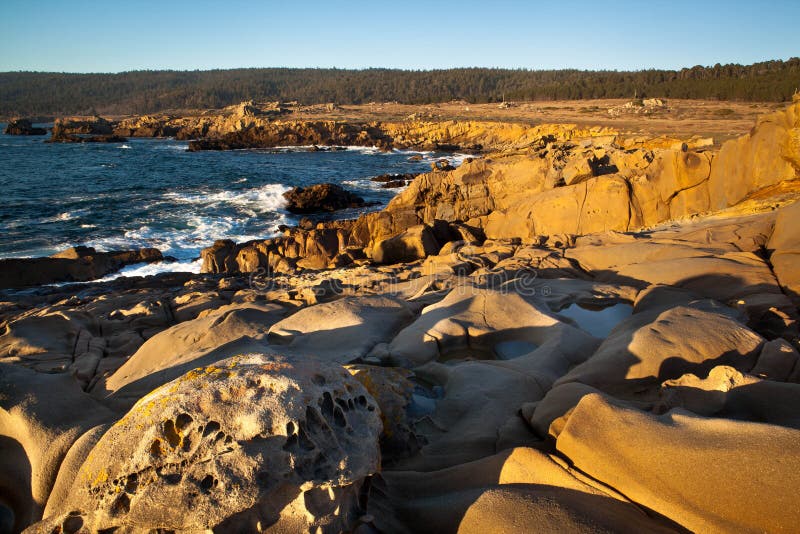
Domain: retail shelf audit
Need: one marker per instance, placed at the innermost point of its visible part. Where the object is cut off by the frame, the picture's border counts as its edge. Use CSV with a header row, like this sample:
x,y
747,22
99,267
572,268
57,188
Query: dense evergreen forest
x,y
42,93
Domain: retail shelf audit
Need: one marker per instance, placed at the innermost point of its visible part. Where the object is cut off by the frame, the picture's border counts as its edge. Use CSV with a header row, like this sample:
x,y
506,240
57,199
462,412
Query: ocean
x,y
154,193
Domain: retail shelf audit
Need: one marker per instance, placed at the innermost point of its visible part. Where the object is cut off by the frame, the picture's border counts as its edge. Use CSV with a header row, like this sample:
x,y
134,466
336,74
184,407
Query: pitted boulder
x,y
255,441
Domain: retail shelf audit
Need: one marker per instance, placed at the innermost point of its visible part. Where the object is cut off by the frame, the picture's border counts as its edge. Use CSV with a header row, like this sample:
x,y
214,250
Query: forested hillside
x,y
39,93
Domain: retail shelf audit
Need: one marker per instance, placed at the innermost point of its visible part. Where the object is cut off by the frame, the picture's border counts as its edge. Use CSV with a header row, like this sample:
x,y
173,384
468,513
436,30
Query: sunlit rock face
x,y
249,442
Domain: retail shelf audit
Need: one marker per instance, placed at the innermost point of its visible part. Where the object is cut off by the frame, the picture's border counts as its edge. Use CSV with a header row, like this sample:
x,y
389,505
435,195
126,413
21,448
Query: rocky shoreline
x,y
579,330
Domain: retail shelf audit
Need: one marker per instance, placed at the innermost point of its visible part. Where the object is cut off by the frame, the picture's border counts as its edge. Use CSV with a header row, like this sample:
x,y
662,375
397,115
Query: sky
x,y
121,35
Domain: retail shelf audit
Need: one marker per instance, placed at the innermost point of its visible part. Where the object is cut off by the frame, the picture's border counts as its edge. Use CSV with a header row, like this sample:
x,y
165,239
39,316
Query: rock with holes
x,y
251,443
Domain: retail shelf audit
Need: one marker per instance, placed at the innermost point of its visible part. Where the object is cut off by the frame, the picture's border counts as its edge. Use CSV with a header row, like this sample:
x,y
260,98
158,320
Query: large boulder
x,y
321,197
674,186
596,205
476,322
413,244
23,127
250,443
219,257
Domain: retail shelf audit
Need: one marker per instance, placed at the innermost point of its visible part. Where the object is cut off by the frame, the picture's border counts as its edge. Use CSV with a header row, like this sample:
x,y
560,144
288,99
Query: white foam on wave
x,y
184,244
150,269
454,159
178,147
366,183
144,269
197,230
369,150
65,216
409,152
125,146
255,201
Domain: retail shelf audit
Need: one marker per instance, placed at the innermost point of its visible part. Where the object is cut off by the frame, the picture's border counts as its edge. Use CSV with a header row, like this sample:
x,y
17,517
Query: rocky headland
x,y
577,330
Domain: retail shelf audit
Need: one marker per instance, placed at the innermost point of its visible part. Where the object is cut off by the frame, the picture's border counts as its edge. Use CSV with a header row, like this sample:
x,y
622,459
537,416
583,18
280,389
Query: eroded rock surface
x,y
580,331
252,442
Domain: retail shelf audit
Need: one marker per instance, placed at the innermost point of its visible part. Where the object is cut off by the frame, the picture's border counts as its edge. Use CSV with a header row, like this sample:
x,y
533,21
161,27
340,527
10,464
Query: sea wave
x,y
171,145
150,269
367,184
65,216
144,269
185,243
254,201
125,146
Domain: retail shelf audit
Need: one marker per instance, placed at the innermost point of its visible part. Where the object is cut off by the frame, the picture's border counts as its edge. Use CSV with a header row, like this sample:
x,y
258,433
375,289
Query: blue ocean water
x,y
152,192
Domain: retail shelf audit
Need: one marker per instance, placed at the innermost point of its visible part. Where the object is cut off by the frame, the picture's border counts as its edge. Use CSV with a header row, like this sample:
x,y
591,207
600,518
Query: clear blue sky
x,y
118,35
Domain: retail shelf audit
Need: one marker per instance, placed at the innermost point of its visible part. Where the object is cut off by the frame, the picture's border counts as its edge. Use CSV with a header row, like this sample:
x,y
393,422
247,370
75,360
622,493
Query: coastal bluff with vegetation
x,y
582,327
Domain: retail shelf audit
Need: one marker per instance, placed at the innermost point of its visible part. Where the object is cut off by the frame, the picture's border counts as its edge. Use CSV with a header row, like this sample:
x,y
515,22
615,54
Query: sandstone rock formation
x,y
77,264
23,127
729,491
84,130
413,244
249,443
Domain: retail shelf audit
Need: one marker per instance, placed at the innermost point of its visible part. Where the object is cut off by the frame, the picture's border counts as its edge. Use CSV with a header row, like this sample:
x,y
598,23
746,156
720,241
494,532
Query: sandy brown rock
x,y
413,244
222,333
475,319
784,245
41,417
768,155
506,492
74,265
251,442
779,360
343,330
650,347
720,488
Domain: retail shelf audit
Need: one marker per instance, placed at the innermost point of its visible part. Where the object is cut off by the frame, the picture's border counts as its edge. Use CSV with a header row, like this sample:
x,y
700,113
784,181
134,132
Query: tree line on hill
x,y
140,92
